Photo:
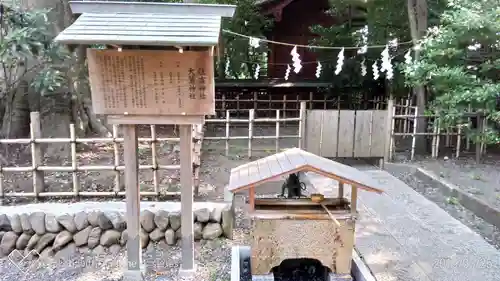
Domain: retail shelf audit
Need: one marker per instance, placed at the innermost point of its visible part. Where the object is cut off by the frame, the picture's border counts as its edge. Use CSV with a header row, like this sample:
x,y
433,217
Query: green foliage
x,y
248,21
385,20
242,58
459,65
373,22
27,52
342,34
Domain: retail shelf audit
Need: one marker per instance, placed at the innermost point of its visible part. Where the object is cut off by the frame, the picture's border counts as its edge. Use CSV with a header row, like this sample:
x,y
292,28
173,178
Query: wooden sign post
x,y
160,71
131,84
154,87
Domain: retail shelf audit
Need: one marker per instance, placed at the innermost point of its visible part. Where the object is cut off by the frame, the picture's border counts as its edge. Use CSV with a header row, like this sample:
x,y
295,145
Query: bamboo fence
x,y
251,122
37,169
265,104
405,119
403,123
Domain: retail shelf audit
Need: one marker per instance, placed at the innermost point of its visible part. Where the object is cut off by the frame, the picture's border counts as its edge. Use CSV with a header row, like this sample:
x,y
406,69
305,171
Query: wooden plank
x,y
284,162
362,183
187,193
251,198
354,199
362,135
281,164
341,172
151,82
313,131
155,120
388,129
379,133
300,202
274,165
346,133
264,170
241,167
253,173
258,183
295,159
233,179
242,177
37,153
330,133
134,253
327,165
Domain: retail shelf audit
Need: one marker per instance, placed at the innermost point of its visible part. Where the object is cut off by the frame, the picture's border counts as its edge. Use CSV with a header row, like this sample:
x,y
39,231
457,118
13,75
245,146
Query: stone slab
x,y
402,236
478,206
360,272
73,208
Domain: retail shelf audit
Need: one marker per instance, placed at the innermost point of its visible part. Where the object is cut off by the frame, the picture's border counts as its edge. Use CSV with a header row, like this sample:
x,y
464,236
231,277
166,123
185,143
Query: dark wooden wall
x,y
296,18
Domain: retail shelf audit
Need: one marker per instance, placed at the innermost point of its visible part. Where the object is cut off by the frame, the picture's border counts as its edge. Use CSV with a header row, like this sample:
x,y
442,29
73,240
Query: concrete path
x,y
402,236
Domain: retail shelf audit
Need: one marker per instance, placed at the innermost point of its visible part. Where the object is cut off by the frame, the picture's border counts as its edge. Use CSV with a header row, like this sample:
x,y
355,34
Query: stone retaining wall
x,y
49,232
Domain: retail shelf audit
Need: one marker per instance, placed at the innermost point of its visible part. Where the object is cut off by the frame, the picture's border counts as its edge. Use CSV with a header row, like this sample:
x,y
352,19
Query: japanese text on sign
x,y
151,82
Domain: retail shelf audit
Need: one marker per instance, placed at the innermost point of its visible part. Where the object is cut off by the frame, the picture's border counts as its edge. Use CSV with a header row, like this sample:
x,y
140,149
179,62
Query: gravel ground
x,y
489,232
213,257
481,180
161,261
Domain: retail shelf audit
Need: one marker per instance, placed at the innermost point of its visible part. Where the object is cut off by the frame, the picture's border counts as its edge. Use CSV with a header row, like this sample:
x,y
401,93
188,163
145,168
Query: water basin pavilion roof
x,y
297,160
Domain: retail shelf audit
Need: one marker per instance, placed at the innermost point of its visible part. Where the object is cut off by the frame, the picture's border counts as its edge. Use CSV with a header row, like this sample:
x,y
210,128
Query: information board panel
x,y
145,82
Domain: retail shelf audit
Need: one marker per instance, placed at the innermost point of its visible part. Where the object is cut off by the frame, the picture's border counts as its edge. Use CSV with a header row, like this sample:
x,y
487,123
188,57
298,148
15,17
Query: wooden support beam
x,y
251,198
389,130
354,199
134,253
36,154
332,217
341,189
187,240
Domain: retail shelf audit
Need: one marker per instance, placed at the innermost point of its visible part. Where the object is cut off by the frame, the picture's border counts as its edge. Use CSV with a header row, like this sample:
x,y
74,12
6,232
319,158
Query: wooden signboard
x,y
152,83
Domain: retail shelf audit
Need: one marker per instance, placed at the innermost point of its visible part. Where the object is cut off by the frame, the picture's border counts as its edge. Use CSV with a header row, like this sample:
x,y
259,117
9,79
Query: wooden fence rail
x,y
454,137
251,121
38,169
265,104
401,124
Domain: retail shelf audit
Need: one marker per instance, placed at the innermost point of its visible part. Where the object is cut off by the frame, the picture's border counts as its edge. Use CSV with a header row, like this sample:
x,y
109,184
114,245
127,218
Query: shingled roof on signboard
x,y
145,24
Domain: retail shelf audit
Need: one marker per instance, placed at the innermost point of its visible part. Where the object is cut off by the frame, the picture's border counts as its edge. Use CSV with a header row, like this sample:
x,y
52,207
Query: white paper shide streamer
x,y
408,58
254,42
393,43
340,62
287,73
376,73
363,50
318,70
363,33
257,71
297,63
226,70
386,64
363,67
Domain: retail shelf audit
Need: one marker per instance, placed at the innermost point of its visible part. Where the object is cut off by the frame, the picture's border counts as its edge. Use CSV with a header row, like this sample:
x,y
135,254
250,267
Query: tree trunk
x,y
82,114
417,16
15,121
81,105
